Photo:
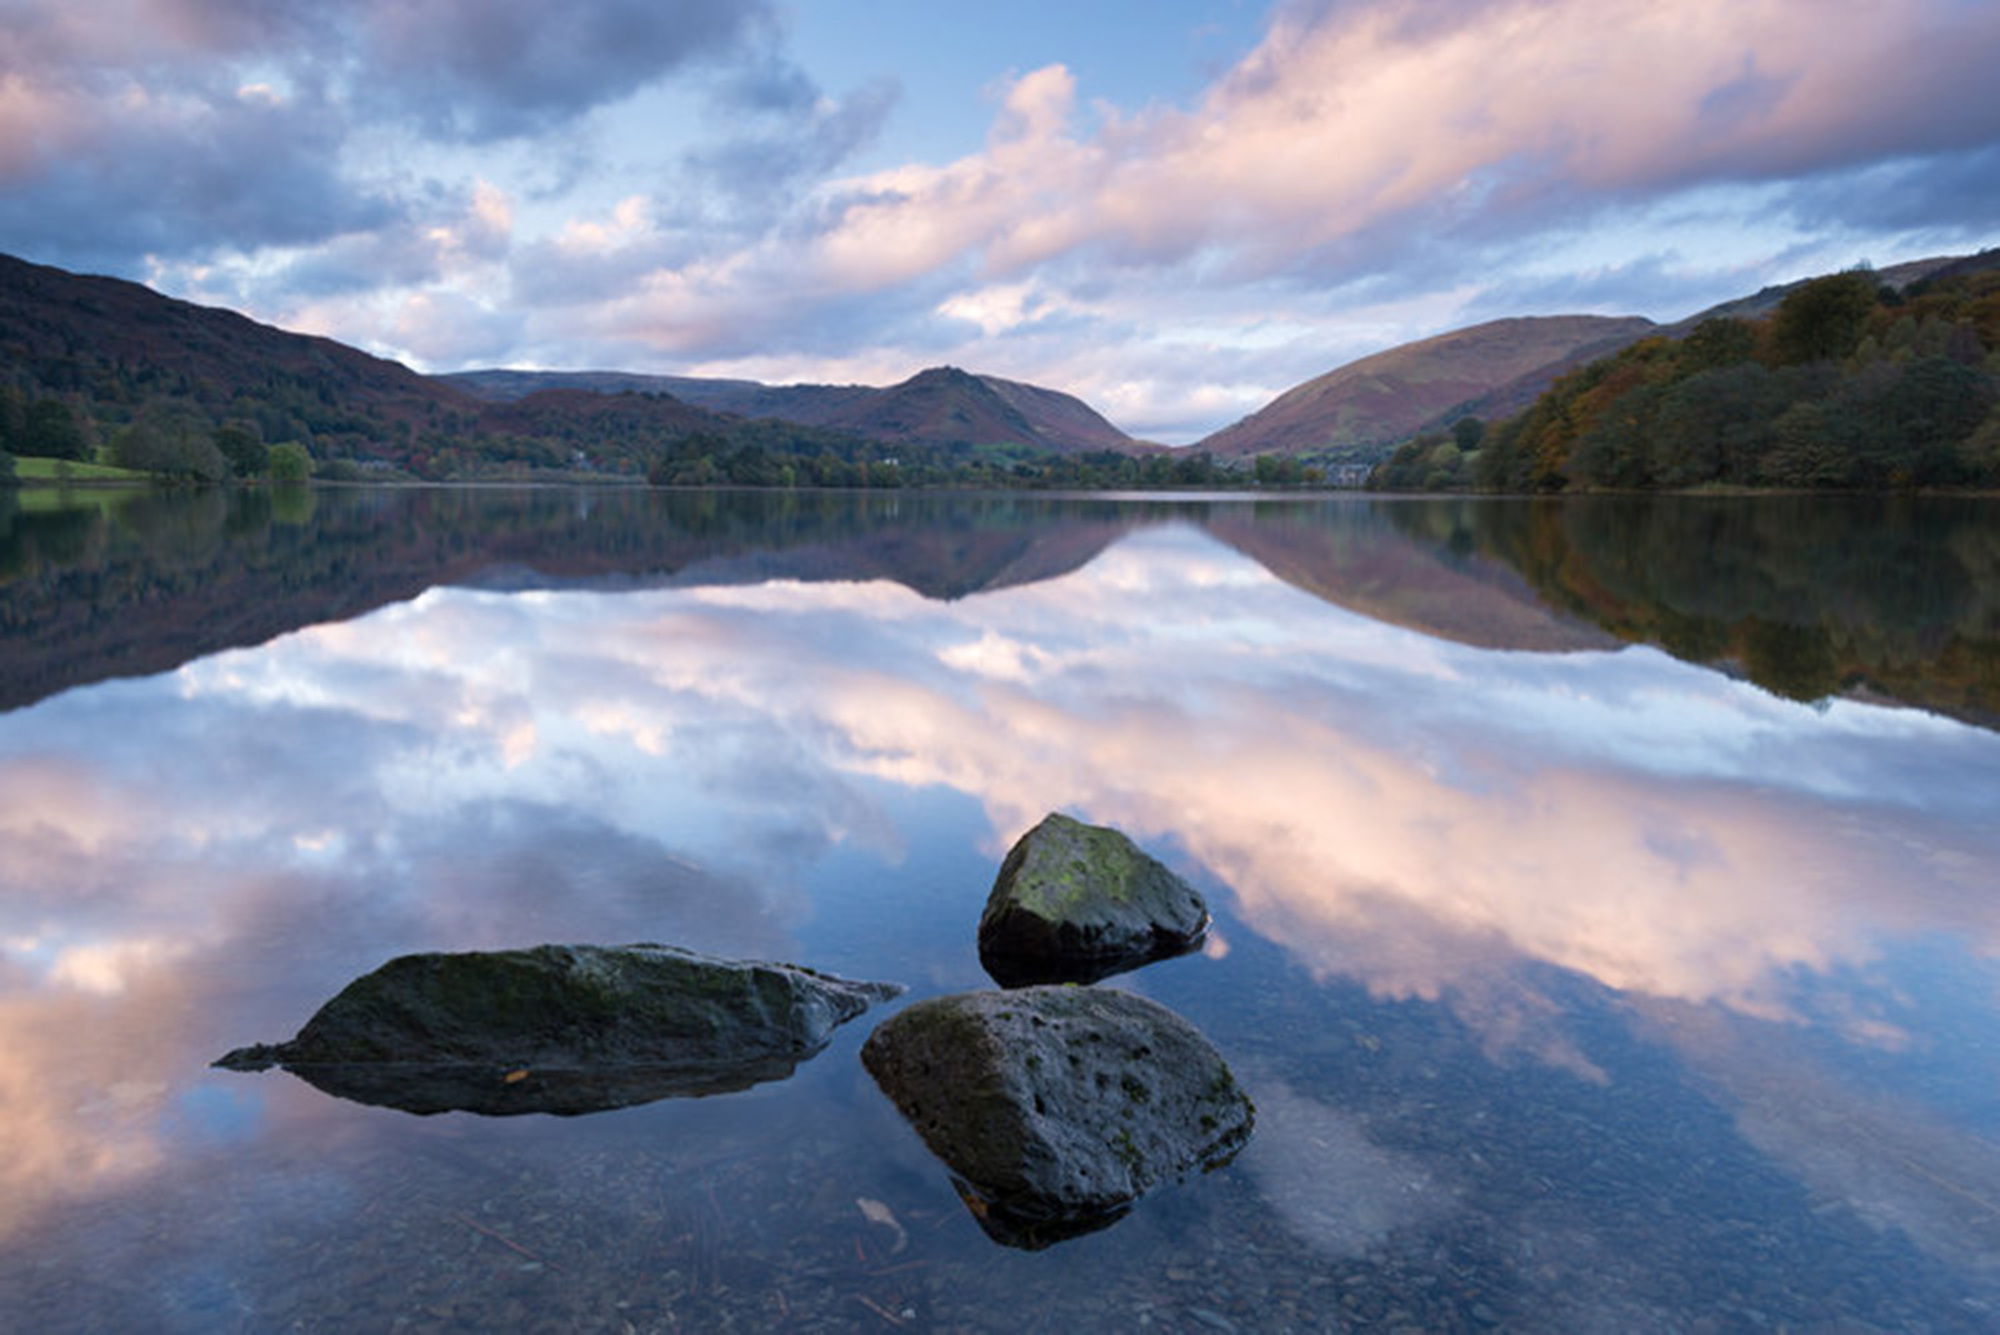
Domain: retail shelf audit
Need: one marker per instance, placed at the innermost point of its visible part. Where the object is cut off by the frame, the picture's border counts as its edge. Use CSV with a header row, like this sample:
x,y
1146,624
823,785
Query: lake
x,y
1607,922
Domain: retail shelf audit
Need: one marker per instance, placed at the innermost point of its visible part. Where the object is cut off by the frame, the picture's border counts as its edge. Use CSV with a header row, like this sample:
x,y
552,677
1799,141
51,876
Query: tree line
x,y
177,439
164,439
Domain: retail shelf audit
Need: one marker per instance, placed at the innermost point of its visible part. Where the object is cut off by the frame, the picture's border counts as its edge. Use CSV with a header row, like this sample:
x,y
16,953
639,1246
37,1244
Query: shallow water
x,y
1582,982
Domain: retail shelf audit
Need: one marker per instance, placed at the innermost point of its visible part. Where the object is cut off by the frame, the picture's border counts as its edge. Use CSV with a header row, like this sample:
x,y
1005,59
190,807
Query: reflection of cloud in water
x,y
133,950
1880,1152
1336,1189
471,770
81,1116
1416,815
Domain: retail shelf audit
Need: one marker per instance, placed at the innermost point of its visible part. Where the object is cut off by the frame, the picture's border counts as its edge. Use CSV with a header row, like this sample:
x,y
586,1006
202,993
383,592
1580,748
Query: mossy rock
x,y
1054,1107
563,1028
1074,903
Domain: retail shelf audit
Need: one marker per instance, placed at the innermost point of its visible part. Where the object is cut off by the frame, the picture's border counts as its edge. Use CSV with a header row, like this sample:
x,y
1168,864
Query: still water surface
x,y
1605,896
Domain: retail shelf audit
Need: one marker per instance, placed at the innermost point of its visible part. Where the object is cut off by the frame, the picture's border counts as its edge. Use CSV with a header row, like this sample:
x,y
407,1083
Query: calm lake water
x,y
1607,914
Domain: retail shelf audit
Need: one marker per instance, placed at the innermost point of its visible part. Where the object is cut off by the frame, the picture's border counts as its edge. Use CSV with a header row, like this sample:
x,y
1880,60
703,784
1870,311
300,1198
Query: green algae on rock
x,y
1074,903
563,1028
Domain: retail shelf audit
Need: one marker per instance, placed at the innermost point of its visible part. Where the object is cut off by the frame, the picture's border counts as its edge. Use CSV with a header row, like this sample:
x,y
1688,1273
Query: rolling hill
x,y
110,341
1367,406
939,406
812,405
107,348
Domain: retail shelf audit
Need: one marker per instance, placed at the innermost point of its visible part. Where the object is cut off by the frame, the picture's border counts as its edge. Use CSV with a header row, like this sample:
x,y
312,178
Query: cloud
x,y
186,129
1352,127
809,137
1950,195
1361,156
486,69
95,178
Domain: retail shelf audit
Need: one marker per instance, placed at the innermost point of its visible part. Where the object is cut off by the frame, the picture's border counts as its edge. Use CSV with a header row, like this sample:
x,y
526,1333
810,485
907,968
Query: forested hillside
x,y
101,371
1848,384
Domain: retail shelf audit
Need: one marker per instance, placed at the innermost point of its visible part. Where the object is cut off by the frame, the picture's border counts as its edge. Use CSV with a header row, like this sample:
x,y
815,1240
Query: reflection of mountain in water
x,y
1368,560
141,583
1808,596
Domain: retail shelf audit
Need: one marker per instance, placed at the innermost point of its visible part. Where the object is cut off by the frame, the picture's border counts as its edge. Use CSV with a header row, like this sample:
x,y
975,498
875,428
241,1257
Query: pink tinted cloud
x,y
1349,118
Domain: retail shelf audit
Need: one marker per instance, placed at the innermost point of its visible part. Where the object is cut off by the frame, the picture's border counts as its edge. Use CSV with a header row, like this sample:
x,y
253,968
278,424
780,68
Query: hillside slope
x,y
116,343
1380,400
940,406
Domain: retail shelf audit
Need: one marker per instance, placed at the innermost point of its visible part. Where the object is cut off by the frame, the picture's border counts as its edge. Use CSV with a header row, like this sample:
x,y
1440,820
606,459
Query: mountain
x,y
939,406
945,405
110,350
553,411
1368,405
812,405
108,347
1063,420
110,340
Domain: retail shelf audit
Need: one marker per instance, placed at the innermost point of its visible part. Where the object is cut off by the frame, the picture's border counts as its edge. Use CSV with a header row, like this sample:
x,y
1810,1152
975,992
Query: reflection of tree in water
x,y
1811,595
29,539
1796,662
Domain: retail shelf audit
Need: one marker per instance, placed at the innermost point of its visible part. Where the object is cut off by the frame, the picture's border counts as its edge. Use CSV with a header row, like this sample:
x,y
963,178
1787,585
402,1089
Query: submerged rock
x,y
1074,903
1056,1108
563,1029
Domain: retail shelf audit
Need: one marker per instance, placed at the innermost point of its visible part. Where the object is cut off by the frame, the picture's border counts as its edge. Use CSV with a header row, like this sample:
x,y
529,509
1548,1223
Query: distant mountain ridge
x,y
811,404
107,347
941,405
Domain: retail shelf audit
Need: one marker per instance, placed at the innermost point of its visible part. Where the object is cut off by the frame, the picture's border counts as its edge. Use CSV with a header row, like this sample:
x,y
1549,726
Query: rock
x,y
1055,1108
1074,903
563,1029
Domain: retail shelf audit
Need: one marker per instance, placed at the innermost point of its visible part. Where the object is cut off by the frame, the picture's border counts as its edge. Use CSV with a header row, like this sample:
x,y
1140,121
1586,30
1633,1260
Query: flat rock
x,y
563,1028
1055,1107
1074,903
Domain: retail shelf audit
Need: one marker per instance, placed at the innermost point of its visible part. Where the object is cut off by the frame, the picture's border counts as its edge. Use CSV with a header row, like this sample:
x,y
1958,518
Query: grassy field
x,y
60,472
60,484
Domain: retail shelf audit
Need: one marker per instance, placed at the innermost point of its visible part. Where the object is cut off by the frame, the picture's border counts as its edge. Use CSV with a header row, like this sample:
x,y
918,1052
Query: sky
x,y
1176,209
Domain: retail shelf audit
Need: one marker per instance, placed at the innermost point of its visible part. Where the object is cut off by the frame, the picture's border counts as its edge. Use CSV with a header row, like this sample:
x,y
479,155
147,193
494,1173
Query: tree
x,y
11,419
1443,466
290,462
1717,342
172,440
242,444
1804,452
1823,320
50,431
1502,465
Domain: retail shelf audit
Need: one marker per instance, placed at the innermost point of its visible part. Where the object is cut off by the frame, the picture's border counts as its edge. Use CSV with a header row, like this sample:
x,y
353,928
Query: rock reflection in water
x,y
563,1029
497,1091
